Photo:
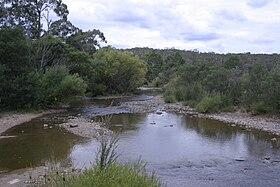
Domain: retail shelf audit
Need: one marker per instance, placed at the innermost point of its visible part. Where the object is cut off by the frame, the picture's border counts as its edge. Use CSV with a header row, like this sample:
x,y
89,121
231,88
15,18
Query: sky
x,y
221,26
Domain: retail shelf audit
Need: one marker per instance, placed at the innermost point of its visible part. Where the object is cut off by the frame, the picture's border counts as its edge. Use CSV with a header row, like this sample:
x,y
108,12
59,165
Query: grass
x,y
106,172
115,175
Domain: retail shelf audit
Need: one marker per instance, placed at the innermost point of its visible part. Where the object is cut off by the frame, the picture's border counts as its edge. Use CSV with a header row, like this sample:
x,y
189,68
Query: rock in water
x,y
274,139
73,125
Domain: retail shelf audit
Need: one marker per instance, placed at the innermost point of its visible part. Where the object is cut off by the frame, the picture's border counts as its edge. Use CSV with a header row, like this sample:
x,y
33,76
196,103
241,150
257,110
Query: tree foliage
x,y
30,71
30,14
44,58
116,71
86,41
215,82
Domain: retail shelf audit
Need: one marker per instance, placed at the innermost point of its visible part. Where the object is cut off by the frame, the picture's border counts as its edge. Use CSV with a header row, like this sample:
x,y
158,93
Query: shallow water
x,y
187,151
183,150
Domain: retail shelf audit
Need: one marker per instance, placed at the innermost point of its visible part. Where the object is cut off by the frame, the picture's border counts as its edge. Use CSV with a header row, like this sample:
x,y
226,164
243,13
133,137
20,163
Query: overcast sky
x,y
207,25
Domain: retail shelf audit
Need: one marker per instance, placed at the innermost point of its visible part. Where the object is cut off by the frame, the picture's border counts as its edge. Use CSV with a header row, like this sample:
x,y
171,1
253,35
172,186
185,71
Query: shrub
x,y
260,108
156,82
180,93
209,104
57,85
116,71
191,103
72,85
169,97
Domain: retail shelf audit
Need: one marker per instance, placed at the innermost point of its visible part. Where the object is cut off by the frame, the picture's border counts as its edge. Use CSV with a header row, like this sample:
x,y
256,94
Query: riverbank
x,y
156,104
21,177
11,119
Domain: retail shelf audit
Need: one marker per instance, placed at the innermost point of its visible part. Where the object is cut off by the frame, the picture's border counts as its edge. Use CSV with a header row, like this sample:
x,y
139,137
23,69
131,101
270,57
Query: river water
x,y
182,150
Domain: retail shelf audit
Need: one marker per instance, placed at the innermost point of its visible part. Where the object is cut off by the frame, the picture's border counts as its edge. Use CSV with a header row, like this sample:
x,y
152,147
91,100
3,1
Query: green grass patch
x,y
115,175
106,172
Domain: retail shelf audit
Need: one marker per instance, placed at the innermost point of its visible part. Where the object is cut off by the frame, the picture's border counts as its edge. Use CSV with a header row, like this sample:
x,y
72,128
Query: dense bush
x,y
209,104
115,71
245,81
30,74
229,86
260,108
56,85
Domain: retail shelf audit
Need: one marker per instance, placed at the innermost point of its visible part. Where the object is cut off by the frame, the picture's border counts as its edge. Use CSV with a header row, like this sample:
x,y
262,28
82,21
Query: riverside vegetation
x,y
213,82
44,65
106,172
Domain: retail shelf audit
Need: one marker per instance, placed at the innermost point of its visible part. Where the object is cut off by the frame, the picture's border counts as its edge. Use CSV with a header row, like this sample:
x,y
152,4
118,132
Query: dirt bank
x,y
9,120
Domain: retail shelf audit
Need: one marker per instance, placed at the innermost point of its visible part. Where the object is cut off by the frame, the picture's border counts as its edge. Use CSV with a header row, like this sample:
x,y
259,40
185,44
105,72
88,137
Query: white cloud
x,y
216,25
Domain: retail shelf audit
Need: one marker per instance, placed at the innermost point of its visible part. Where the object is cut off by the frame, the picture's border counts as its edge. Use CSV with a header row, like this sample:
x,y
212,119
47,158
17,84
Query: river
x,y
183,150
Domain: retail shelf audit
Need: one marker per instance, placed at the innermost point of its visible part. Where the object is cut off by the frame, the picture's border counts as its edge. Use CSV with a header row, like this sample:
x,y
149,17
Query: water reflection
x,y
171,138
34,145
258,144
124,122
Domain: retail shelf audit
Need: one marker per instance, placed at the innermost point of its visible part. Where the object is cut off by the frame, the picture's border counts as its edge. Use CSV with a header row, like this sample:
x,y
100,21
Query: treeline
x,y
216,82
43,65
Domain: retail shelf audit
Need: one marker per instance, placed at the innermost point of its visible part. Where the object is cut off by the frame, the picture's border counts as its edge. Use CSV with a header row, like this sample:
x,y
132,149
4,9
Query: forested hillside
x,y
216,82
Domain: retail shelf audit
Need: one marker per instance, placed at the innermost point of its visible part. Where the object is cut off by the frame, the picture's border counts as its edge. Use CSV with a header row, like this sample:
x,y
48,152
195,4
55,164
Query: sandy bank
x,y
9,120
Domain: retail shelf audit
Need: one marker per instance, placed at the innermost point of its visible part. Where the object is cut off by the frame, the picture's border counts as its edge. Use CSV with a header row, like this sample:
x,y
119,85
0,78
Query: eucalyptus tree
x,y
33,14
88,41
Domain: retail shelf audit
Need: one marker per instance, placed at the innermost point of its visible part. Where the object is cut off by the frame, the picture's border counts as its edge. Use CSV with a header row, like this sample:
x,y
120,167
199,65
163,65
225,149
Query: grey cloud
x,y
199,36
258,3
231,15
263,41
148,16
128,17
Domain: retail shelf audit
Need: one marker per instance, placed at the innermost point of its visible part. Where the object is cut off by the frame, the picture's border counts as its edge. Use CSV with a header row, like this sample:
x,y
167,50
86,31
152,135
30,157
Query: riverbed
x,y
184,150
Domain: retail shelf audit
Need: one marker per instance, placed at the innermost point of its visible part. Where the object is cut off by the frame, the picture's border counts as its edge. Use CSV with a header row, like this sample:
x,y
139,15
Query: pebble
x,y
273,139
266,158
